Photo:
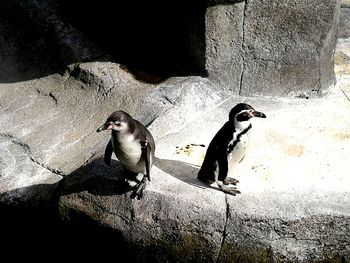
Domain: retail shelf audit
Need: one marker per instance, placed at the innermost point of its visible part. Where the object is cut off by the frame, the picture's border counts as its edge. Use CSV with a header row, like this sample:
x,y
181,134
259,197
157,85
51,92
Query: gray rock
x,y
275,219
169,228
224,39
345,3
180,100
272,48
20,169
50,154
63,136
102,77
344,22
71,44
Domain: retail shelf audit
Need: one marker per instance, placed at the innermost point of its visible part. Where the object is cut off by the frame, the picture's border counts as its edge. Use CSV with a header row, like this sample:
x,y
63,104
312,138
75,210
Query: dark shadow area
x,y
153,40
35,228
185,172
223,2
95,178
26,51
156,38
37,233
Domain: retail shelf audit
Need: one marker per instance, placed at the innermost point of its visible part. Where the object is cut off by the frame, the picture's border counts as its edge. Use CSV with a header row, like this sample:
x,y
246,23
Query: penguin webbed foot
x,y
230,180
139,188
229,190
228,186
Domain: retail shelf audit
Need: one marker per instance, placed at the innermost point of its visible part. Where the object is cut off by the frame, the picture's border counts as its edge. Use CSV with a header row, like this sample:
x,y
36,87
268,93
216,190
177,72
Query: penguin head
x,y
117,121
244,112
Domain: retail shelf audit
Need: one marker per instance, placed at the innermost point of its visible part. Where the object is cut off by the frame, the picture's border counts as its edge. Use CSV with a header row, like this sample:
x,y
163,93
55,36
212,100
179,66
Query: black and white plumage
x,y
228,148
132,144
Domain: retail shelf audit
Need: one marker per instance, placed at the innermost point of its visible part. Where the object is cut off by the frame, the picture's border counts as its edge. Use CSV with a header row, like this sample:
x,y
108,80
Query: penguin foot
x,y
230,180
229,190
139,188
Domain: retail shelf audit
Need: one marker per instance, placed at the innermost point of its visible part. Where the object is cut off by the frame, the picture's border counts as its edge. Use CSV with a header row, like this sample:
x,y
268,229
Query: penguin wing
x,y
223,166
108,153
146,152
216,153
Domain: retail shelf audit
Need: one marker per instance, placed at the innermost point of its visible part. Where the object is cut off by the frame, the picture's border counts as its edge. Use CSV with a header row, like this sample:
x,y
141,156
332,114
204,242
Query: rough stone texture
x,y
72,45
294,205
224,39
284,48
342,52
345,3
344,22
186,97
169,226
70,110
278,48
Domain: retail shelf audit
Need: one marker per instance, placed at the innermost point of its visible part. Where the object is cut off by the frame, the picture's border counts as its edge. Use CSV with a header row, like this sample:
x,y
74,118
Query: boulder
x,y
57,87
294,205
344,22
345,3
278,48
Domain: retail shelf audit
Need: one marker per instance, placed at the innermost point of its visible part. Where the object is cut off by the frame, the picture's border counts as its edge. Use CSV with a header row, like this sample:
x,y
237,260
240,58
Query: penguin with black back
x,y
228,148
133,145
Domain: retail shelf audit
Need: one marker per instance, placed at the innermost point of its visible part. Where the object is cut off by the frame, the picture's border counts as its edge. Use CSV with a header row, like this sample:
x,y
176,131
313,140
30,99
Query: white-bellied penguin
x,y
132,144
228,148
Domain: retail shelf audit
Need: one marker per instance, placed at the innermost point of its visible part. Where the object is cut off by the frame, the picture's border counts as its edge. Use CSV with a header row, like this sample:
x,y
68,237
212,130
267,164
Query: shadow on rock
x,y
36,222
183,171
41,227
96,178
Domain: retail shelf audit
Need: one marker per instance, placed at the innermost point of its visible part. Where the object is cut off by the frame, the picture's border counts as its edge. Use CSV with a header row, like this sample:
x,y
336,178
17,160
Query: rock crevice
x,y
26,150
243,47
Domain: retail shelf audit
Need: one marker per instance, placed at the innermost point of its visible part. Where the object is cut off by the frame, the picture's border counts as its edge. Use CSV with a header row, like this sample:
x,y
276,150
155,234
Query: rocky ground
x,y
295,198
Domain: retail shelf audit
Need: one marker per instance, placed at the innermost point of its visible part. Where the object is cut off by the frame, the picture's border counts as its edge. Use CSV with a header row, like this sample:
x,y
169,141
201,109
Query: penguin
x,y
228,148
133,145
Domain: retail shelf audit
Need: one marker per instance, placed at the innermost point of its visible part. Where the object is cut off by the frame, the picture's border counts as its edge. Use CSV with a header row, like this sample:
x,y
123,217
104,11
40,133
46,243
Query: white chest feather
x,y
238,146
239,149
128,151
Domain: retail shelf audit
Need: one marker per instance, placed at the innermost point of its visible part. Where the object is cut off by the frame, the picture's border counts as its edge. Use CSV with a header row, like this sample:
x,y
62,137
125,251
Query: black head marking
x,y
120,116
244,112
117,121
237,109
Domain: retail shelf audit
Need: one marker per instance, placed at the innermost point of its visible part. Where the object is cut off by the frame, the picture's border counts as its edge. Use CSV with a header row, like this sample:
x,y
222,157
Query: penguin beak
x,y
258,114
106,126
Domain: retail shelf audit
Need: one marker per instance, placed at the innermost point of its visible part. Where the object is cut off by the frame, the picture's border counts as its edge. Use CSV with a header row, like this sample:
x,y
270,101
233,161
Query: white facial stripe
x,y
118,126
242,112
240,125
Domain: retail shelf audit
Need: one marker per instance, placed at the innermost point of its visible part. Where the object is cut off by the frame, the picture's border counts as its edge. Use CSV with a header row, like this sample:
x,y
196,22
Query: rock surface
x,y
272,47
295,200
344,22
57,87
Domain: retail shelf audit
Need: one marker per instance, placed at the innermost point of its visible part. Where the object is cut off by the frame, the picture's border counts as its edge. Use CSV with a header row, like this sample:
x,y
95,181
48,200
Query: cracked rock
x,y
278,48
19,170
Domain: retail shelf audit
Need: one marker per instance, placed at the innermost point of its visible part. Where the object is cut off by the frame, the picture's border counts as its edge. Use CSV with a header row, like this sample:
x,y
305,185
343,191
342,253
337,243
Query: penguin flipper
x,y
146,151
108,153
223,167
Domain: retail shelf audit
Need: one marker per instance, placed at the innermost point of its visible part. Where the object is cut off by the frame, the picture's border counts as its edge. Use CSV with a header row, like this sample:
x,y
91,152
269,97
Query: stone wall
x,y
272,47
58,83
